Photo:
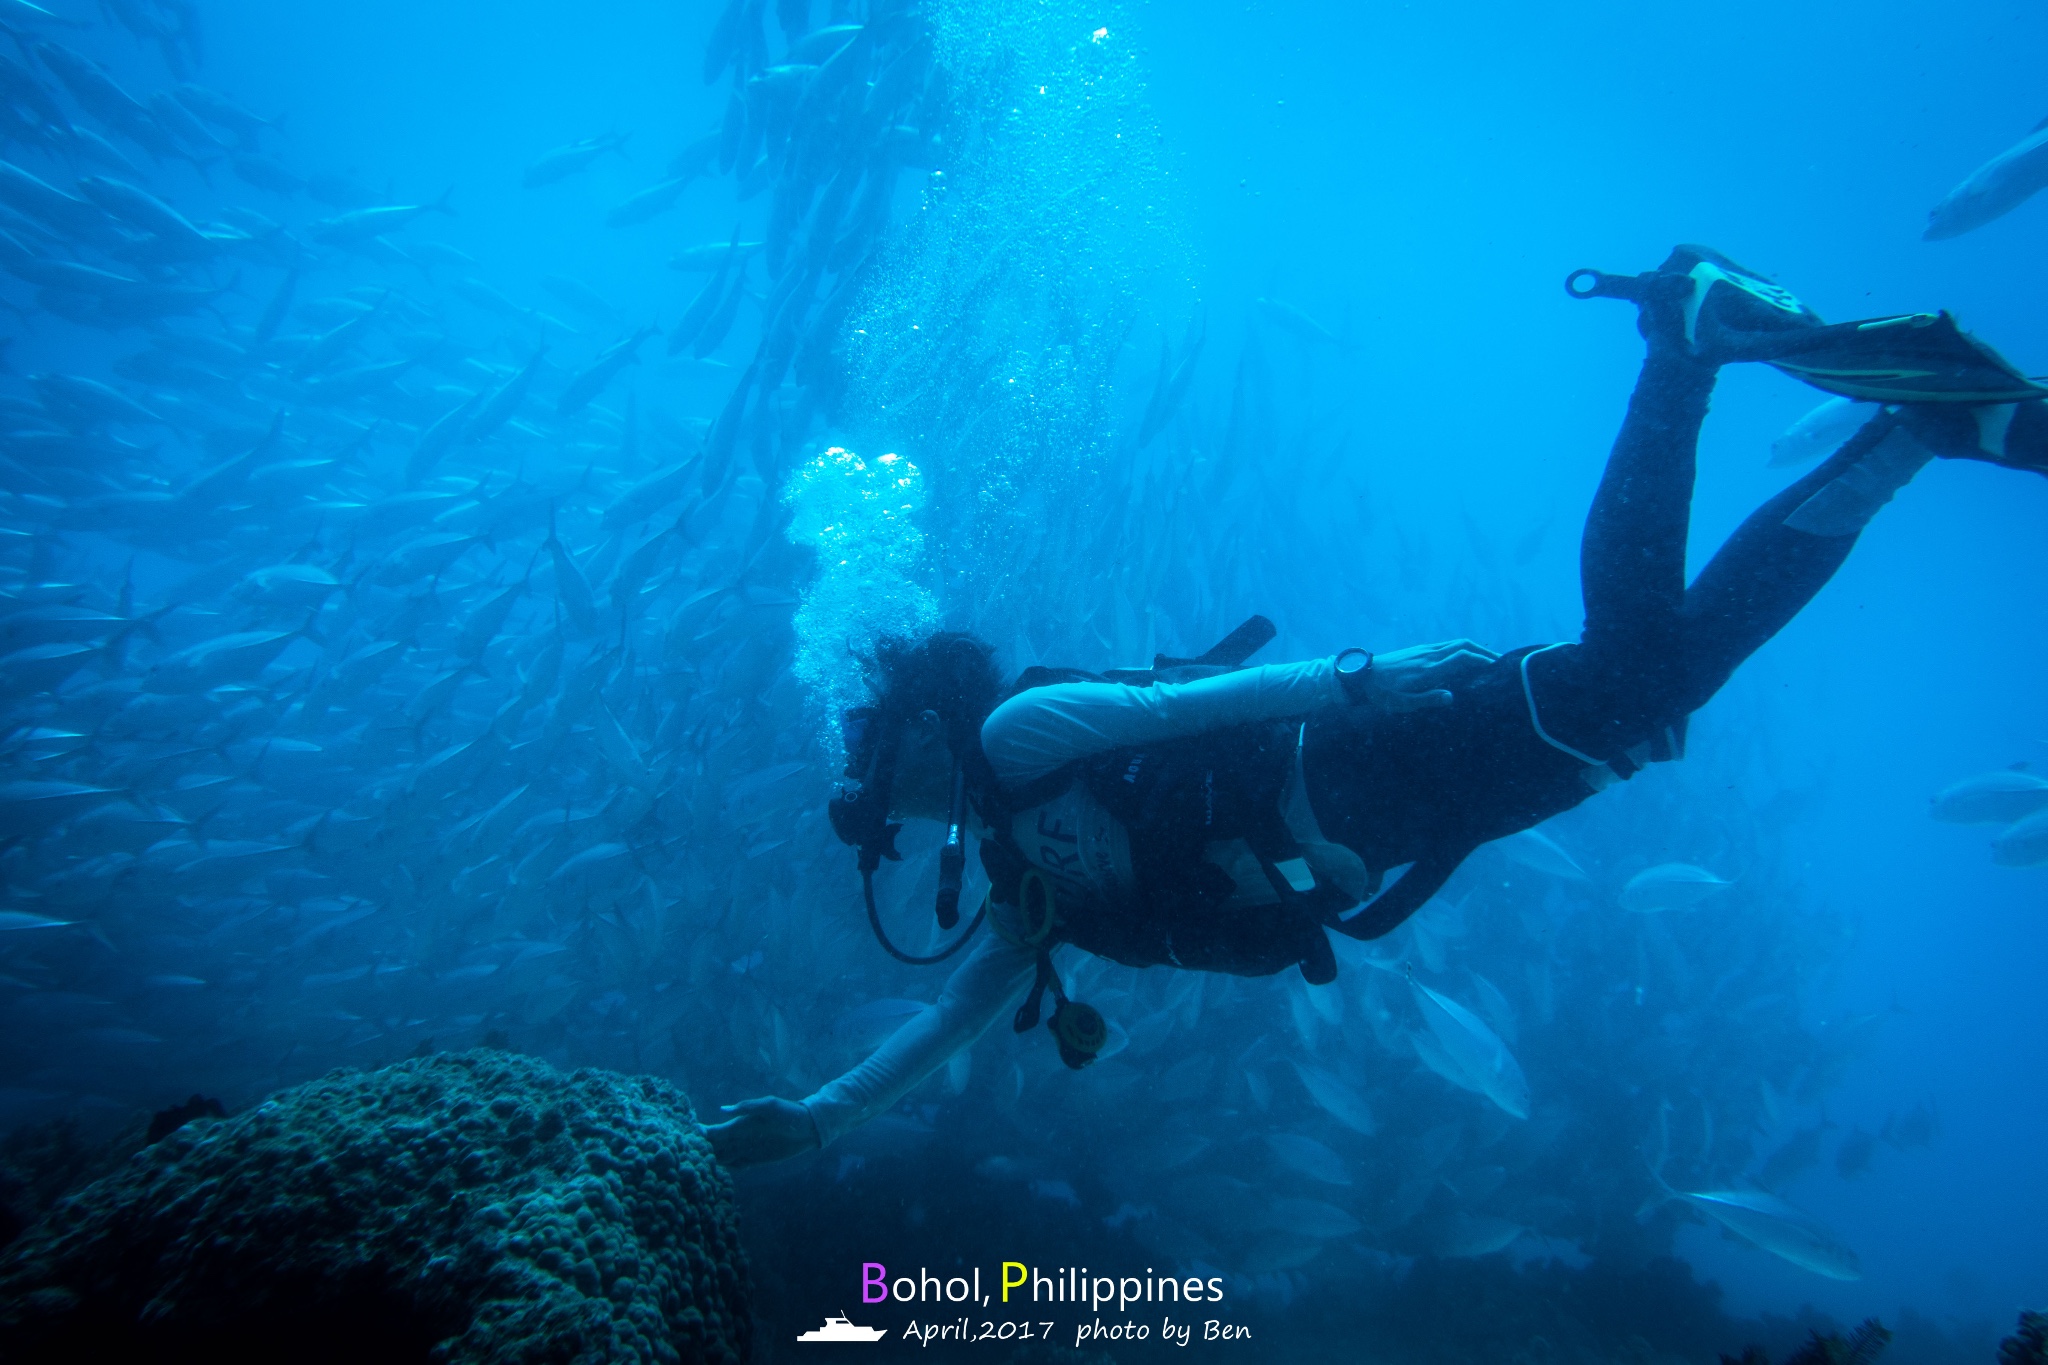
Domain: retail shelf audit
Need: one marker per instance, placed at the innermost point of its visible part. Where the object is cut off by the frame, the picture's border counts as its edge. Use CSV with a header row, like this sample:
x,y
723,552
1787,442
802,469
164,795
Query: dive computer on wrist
x,y
1352,667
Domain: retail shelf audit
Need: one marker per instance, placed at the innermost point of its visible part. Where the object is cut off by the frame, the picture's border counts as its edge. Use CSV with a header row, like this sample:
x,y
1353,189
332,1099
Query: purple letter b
x,y
873,1282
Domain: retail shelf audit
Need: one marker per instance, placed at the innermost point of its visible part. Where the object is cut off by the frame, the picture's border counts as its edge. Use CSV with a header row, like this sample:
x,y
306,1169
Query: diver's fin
x,y
2011,434
1704,305
1732,309
1911,358
1719,312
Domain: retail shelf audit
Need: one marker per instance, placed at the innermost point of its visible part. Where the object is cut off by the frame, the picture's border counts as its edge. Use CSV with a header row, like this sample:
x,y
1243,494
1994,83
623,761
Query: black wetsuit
x,y
1428,787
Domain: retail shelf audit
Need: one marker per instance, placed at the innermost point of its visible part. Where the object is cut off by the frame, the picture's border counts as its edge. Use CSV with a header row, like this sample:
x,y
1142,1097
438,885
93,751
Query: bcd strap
x,y
1037,938
1027,1013
1314,903
1384,914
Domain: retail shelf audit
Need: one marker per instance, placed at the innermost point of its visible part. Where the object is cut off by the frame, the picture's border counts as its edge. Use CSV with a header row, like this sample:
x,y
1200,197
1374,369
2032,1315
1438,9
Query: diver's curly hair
x,y
950,672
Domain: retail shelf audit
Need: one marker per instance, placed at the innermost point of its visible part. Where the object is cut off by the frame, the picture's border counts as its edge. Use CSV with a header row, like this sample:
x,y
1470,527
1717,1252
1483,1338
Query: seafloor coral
x,y
40,1163
466,1207
2028,1345
1860,1347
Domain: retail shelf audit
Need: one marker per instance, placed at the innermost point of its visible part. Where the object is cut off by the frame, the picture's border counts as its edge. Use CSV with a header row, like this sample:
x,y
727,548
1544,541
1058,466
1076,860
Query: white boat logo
x,y
838,1328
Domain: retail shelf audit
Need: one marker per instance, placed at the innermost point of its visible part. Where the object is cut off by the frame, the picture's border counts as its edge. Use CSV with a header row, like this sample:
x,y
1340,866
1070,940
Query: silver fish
x,y
1996,798
1535,849
2024,844
1669,886
1774,1225
1468,1053
1820,432
1994,189
1309,1157
1337,1099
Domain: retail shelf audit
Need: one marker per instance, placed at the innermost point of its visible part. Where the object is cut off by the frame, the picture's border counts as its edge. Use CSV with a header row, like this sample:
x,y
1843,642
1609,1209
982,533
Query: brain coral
x,y
466,1207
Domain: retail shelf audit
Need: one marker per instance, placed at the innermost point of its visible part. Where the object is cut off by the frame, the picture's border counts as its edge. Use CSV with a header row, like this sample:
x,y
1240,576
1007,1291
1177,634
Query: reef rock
x,y
466,1207
2029,1344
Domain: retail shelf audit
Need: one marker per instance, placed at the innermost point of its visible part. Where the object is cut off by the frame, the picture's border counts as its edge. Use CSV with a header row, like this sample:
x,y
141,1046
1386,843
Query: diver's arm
x,y
1036,732
1042,730
992,979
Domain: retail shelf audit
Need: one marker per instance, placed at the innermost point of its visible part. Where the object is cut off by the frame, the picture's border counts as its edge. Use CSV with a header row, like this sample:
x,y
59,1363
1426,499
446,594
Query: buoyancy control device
x,y
1173,800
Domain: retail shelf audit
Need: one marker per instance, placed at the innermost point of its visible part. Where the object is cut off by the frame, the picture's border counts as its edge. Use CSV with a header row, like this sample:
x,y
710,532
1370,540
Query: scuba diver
x,y
1216,817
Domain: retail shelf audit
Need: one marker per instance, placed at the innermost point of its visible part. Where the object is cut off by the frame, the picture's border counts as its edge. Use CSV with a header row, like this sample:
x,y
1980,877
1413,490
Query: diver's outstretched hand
x,y
763,1130
1422,676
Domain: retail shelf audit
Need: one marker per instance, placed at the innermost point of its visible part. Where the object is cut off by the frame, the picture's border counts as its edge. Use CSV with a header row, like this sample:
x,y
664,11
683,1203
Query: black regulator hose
x,y
867,888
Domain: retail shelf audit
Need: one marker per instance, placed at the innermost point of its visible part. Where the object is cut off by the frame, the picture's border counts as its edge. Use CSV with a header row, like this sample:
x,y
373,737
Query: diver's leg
x,y
1632,553
1696,311
1776,561
1627,678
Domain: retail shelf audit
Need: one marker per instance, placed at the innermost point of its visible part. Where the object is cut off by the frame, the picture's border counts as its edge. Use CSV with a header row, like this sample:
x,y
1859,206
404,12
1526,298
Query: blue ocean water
x,y
594,831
